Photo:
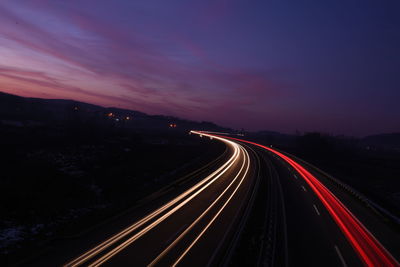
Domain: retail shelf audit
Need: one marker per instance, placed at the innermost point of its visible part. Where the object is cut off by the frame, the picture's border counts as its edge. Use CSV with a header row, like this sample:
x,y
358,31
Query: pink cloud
x,y
141,71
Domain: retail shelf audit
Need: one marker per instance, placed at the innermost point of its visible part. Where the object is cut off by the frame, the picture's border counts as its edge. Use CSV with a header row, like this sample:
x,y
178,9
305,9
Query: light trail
x,y
189,195
368,248
125,244
187,230
145,230
214,218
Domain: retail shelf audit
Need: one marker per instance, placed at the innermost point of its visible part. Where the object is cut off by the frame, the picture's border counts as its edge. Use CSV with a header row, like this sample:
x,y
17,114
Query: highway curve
x,y
192,228
318,228
295,220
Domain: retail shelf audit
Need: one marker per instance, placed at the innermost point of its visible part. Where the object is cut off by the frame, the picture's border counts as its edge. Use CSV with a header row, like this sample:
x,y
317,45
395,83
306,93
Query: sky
x,y
330,66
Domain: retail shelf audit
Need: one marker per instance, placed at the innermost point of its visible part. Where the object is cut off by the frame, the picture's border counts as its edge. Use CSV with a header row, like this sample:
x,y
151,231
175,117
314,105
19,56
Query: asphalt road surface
x,y
192,228
305,221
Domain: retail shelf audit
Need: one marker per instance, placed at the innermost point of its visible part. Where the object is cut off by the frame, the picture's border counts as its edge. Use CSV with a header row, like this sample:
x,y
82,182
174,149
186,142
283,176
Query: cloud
x,y
104,61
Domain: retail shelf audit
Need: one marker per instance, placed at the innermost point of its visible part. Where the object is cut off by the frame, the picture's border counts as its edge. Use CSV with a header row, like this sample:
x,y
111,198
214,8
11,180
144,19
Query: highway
x,y
320,229
190,228
299,220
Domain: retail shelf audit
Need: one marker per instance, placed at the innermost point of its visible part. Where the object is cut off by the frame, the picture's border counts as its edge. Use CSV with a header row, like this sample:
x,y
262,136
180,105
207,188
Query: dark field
x,y
57,182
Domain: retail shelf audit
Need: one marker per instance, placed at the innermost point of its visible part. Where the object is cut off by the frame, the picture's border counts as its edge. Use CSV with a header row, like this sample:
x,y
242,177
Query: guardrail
x,y
376,208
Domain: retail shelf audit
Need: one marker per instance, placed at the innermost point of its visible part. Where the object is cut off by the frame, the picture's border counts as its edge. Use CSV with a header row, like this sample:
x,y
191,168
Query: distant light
x,y
116,119
110,114
172,125
76,108
128,118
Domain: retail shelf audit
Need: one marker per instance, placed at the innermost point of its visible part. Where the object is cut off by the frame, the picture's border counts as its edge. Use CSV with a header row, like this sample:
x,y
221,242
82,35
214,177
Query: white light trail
x,y
188,194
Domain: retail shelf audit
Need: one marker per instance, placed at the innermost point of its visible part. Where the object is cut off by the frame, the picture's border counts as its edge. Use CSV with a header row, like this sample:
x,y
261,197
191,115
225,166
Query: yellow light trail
x,y
217,214
195,190
162,254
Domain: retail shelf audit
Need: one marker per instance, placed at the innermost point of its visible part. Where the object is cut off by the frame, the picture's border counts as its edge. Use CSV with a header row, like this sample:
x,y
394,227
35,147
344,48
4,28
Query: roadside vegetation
x,y
64,175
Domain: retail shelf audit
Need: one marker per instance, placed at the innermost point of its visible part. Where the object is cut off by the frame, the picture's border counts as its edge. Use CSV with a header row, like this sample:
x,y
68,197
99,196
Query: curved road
x,y
319,229
303,223
189,229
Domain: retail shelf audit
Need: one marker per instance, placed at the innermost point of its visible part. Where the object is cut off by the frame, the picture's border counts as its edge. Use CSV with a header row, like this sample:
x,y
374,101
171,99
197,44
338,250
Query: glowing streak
x,y
125,244
370,251
214,218
165,251
101,247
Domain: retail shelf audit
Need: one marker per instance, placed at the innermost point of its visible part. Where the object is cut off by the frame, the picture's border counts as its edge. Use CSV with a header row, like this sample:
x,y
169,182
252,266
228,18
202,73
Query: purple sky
x,y
331,66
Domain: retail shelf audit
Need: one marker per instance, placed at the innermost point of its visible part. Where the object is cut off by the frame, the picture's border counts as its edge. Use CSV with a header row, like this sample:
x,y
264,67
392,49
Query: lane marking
x,y
304,189
370,251
295,176
316,209
340,256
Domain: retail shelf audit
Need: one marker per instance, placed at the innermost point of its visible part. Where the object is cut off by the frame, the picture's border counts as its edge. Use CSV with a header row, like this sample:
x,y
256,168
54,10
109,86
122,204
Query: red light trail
x,y
370,251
